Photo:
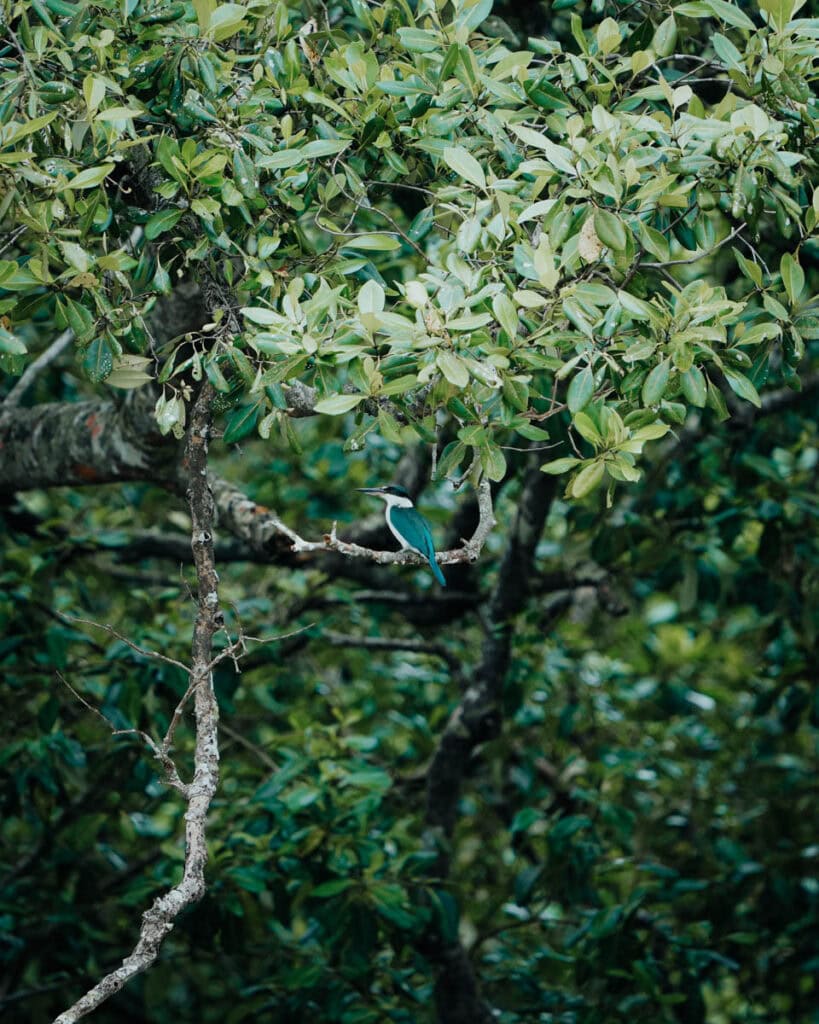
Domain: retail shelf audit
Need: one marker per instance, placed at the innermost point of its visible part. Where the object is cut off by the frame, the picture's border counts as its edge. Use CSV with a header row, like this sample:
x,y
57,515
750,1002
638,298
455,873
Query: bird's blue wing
x,y
416,532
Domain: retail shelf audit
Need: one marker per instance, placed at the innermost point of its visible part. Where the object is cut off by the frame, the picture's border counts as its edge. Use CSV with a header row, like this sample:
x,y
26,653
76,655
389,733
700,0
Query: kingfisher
x,y
407,525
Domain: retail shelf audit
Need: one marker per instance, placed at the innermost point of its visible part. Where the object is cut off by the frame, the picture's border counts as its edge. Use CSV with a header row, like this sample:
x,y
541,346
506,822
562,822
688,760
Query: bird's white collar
x,y
395,501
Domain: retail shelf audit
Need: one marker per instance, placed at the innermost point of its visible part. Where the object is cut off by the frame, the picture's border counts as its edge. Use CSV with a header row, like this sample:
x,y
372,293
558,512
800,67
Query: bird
x,y
407,525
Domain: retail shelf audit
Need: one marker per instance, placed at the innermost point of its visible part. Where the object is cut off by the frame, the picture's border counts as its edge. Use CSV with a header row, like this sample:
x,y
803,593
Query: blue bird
x,y
407,525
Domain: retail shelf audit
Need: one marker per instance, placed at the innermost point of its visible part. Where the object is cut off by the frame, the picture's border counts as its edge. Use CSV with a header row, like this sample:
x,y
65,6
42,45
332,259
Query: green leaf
x,y
656,382
240,423
741,386
587,429
371,298
419,40
93,90
716,401
10,344
493,462
453,368
337,405
14,132
694,387
558,156
464,165
793,277
325,147
525,817
580,390
665,38
587,479
506,314
90,177
557,466
130,371
607,36
98,361
779,10
727,52
118,114
226,20
281,159
471,15
260,315
653,241
160,222
332,888
651,432
751,270
730,14
377,242
610,229
532,432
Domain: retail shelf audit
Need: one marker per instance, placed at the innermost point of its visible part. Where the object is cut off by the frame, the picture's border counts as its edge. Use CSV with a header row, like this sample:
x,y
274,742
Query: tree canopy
x,y
552,270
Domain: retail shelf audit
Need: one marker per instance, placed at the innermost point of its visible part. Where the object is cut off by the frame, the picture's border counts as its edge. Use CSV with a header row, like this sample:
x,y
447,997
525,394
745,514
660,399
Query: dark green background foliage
x,y
578,228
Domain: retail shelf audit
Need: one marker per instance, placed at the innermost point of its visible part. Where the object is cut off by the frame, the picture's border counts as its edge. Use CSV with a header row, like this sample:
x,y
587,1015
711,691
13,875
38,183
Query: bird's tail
x,y
436,571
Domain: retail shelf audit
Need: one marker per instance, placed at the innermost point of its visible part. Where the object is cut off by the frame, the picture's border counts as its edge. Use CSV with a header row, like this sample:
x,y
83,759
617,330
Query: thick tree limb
x,y
81,443
159,919
478,718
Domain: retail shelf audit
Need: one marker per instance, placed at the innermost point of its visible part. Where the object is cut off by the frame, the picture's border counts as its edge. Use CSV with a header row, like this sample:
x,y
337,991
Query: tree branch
x,y
159,919
478,718
80,443
32,372
382,643
264,530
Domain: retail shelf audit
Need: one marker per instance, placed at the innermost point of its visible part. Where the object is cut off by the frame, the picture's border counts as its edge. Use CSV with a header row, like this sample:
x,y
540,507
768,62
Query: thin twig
x,y
699,256
128,643
171,772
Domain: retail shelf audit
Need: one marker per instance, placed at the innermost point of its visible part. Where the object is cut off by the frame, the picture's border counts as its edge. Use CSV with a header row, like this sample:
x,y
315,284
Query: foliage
x,y
544,181
590,240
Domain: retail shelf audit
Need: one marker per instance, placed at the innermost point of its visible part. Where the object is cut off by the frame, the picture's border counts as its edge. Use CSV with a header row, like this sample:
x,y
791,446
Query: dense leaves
x,y
577,239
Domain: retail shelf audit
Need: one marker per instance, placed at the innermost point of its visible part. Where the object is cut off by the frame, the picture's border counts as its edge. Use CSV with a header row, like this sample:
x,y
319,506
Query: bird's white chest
x,y
389,504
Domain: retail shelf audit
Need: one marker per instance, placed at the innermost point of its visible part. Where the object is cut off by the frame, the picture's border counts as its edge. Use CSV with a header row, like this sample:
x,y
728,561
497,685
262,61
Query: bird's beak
x,y
369,490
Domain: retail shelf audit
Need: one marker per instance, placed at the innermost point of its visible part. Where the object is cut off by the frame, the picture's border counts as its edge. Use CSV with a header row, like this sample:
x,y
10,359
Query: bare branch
x,y
700,255
159,919
382,643
171,773
264,529
54,350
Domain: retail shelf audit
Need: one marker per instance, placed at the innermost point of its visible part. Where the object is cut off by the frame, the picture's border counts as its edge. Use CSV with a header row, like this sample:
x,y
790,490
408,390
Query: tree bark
x,y
158,920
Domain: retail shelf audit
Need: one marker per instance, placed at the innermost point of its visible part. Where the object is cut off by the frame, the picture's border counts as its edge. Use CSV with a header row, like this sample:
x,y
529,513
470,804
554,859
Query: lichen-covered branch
x,y
79,443
159,919
265,531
